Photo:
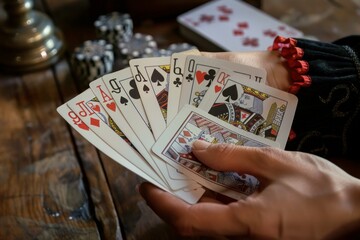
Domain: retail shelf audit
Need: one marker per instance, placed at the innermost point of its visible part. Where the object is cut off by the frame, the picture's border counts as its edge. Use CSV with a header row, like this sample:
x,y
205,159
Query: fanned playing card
x,y
152,79
232,25
174,146
175,81
201,71
121,86
257,108
73,120
132,115
106,100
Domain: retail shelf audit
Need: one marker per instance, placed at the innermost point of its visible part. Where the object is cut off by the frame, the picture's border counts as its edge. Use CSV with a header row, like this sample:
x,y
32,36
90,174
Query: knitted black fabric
x,y
327,118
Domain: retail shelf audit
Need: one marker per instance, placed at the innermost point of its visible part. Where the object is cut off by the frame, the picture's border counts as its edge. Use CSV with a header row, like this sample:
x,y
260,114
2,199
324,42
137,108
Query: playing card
x,y
233,25
74,121
257,108
152,79
201,71
92,113
80,126
105,99
121,86
174,146
175,81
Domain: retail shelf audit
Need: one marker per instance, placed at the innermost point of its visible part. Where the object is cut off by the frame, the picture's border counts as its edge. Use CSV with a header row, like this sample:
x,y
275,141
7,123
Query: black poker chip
x,y
92,59
139,46
114,27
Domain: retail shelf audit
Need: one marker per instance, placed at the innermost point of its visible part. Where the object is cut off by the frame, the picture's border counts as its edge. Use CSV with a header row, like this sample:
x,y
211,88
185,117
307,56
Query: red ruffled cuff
x,y
293,55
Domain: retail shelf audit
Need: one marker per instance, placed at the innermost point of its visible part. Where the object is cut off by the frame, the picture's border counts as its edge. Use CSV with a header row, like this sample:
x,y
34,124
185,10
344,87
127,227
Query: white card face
x,y
174,146
175,81
235,26
201,71
74,121
122,87
152,78
105,99
92,113
256,108
118,84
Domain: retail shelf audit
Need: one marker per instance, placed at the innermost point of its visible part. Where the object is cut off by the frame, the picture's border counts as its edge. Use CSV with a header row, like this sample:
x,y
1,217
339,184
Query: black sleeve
x,y
326,79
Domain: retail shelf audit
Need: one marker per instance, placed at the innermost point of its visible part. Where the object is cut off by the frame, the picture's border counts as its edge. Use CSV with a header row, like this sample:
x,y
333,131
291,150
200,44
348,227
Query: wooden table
x,y
53,183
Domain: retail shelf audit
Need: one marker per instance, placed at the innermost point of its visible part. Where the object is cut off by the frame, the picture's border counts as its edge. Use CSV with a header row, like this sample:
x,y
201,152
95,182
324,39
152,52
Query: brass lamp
x,y
28,38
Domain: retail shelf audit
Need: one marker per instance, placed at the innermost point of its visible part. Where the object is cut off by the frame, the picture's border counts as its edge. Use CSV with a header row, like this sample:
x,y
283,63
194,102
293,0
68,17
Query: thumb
x,y
257,161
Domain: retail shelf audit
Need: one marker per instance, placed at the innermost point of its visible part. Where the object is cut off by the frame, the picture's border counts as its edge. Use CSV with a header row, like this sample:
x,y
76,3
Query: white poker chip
x,y
140,45
114,27
92,59
159,53
180,47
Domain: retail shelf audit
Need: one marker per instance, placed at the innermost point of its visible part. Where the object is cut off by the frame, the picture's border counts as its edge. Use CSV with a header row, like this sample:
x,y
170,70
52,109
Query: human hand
x,y
277,72
301,196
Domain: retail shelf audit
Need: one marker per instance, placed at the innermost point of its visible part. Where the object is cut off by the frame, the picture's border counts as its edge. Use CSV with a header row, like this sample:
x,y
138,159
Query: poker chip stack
x,y
180,47
92,59
116,46
140,45
114,27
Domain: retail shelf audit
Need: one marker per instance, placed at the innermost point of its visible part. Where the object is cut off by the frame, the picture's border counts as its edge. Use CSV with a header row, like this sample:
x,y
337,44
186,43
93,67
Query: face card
x,y
74,121
106,100
255,108
175,81
174,146
235,25
201,71
152,79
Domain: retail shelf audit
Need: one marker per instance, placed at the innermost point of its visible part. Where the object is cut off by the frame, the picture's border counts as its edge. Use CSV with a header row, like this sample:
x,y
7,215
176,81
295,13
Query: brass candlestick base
x,y
28,38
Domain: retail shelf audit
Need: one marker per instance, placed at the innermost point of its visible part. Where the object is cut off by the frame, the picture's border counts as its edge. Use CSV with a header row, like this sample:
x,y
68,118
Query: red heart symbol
x,y
217,88
200,76
238,32
243,25
83,126
111,106
224,18
96,108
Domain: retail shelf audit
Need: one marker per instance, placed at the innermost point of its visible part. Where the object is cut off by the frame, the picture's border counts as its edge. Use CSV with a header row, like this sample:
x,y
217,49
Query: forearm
x,y
326,79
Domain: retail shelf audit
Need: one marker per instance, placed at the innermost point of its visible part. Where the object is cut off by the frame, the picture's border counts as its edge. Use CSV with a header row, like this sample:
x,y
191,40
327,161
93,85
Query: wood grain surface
x,y
53,183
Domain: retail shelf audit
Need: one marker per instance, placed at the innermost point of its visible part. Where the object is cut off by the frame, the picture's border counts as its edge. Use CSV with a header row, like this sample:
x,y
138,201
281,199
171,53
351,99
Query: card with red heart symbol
x,y
233,25
200,71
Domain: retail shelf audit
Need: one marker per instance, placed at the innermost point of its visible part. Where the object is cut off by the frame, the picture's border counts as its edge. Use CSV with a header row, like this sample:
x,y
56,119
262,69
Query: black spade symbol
x,y
230,92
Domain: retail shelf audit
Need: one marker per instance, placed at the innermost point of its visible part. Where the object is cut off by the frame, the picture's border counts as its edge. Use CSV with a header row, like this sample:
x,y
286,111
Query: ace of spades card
x,y
259,109
152,80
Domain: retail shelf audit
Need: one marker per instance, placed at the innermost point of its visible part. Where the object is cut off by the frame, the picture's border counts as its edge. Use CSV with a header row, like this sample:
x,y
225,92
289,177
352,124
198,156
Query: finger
x,y
260,162
210,219
214,197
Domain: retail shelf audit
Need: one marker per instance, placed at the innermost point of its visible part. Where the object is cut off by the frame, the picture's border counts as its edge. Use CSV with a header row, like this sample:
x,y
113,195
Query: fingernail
x,y
200,145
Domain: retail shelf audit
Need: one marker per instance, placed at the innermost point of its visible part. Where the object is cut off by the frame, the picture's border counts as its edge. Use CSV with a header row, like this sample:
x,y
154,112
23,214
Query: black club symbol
x,y
177,82
189,78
